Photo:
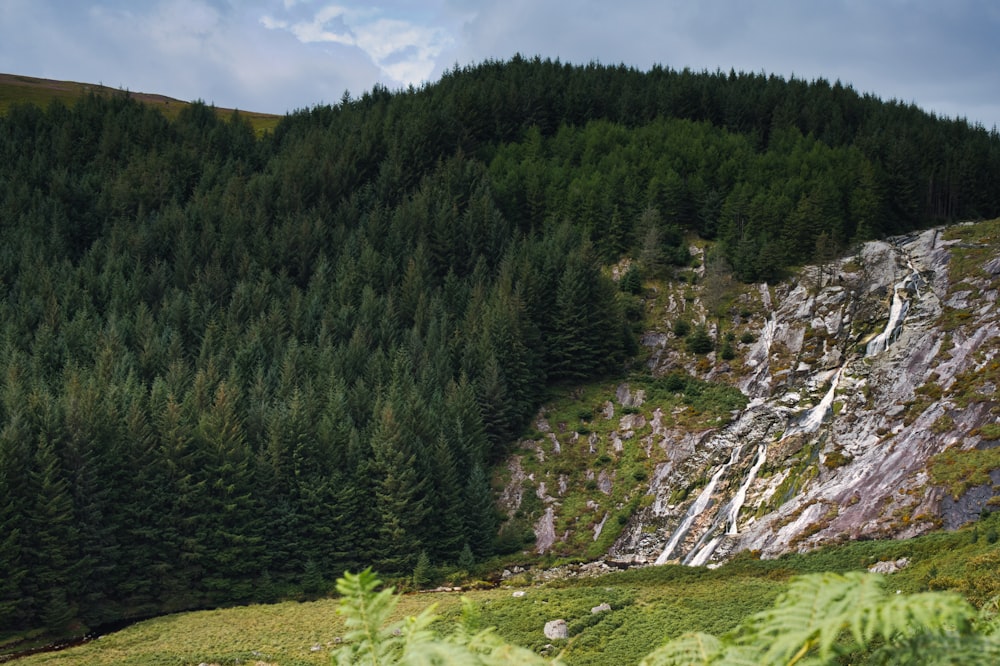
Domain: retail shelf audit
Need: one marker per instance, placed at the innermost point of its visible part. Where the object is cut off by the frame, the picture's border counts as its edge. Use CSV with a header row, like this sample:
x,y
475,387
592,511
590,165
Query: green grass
x,y
648,606
959,470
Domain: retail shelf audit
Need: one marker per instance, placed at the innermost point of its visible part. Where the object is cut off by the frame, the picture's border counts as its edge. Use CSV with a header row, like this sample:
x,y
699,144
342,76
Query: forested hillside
x,y
235,366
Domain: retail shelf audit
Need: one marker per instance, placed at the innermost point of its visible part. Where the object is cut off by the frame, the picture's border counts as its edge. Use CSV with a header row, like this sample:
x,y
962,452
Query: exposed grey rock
x,y
545,531
632,422
510,498
556,629
601,608
837,376
653,339
604,482
968,507
599,527
616,442
836,399
889,566
626,398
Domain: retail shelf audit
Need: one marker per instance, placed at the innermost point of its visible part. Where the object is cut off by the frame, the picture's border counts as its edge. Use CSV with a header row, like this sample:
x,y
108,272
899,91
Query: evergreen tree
x,y
227,531
699,341
51,542
480,514
400,494
445,530
12,541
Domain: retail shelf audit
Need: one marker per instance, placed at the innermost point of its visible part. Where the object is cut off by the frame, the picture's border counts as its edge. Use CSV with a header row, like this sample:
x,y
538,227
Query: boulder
x,y
556,629
889,566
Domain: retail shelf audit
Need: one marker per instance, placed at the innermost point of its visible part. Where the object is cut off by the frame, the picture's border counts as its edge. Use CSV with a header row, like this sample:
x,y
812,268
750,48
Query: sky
x,y
278,56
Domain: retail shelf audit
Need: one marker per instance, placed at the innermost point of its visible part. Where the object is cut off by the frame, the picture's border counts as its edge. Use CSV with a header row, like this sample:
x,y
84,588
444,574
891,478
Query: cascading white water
x,y
706,546
741,495
898,310
813,419
711,526
758,381
696,509
700,557
702,551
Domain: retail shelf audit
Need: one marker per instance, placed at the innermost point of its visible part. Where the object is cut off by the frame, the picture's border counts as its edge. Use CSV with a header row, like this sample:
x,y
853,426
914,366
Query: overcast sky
x,y
281,55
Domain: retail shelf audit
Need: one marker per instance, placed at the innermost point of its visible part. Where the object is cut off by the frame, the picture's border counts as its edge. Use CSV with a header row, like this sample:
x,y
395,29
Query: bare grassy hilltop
x,y
17,89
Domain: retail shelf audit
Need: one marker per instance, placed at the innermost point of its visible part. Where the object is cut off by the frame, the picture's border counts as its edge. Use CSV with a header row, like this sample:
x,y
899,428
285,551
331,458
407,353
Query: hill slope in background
x,y
15,89
235,365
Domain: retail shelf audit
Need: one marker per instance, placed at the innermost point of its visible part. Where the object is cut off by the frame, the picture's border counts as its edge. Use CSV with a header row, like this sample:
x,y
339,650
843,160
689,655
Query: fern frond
x,y
925,649
695,649
491,650
814,612
366,613
927,612
739,655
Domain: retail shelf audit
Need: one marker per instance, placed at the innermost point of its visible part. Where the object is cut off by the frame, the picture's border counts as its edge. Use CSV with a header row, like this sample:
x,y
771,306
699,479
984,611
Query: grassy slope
x,y
649,605
41,92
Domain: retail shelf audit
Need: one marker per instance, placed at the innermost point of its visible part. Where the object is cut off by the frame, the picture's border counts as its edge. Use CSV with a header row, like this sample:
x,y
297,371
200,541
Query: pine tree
x,y
12,540
445,529
422,571
400,494
52,541
699,341
480,513
228,528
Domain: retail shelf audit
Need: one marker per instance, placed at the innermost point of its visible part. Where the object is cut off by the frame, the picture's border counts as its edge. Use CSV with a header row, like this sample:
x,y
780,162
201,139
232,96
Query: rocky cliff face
x,y
866,378
863,371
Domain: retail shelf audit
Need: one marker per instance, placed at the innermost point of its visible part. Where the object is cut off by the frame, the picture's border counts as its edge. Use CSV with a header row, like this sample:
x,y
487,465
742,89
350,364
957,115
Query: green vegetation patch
x,y
648,606
978,245
959,470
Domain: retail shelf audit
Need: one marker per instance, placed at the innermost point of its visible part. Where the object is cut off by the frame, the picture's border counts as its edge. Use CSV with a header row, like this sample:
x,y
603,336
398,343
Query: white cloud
x,y
272,23
405,50
276,55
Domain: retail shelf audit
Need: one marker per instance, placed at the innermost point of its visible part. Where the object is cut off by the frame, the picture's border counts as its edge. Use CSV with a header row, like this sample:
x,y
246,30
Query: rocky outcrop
x,y
853,377
858,374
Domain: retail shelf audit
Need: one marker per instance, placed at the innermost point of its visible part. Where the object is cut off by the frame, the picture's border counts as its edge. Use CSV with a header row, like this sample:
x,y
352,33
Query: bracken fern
x,y
373,641
823,617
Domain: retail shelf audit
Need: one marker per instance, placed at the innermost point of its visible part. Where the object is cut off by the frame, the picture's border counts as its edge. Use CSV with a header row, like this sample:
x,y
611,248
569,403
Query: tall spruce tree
x,y
400,494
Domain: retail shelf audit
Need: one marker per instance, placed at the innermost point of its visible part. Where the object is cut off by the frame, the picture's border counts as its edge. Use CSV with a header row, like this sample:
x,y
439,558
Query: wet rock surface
x,y
857,375
849,377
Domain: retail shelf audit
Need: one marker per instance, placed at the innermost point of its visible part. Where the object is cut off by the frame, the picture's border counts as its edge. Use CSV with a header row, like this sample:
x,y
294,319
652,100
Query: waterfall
x,y
898,310
700,557
702,551
741,495
757,383
813,419
696,509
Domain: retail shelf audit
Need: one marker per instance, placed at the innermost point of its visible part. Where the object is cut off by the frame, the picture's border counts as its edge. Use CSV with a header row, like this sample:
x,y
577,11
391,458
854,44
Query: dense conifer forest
x,y
235,366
